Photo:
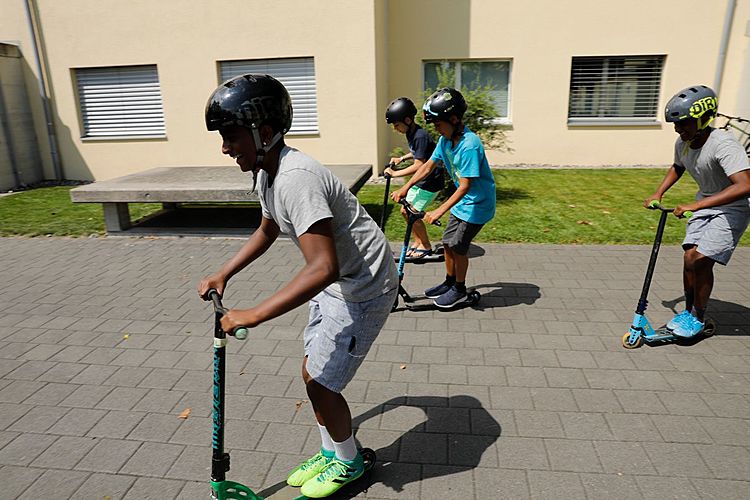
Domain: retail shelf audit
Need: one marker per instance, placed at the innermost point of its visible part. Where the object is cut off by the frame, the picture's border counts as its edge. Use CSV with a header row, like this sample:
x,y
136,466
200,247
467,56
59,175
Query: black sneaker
x,y
450,298
437,291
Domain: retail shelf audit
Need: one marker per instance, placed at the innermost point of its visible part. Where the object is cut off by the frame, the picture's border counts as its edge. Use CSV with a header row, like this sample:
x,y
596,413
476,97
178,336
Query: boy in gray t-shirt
x,y
349,277
719,164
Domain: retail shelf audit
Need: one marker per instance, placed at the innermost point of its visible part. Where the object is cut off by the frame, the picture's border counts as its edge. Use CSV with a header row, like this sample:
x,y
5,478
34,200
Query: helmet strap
x,y
261,150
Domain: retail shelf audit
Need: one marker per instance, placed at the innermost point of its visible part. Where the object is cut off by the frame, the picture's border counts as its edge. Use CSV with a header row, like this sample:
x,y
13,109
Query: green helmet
x,y
697,102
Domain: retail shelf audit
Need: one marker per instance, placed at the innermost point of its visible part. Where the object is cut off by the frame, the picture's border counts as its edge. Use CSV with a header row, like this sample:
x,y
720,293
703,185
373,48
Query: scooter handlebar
x,y
418,213
240,333
656,205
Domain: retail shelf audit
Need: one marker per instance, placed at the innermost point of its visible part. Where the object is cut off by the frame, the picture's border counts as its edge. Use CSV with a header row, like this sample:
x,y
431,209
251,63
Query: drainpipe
x,y
35,29
728,18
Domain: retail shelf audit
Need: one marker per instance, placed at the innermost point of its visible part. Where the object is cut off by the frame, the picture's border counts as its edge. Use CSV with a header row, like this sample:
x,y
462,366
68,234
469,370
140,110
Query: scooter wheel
x,y
369,457
626,342
474,297
709,329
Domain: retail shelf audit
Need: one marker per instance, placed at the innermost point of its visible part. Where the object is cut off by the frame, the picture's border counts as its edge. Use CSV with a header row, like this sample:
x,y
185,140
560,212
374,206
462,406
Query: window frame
x,y
610,121
85,107
496,121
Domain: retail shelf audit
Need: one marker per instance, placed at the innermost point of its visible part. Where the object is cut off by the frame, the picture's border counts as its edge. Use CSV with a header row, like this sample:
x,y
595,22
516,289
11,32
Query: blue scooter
x,y
641,330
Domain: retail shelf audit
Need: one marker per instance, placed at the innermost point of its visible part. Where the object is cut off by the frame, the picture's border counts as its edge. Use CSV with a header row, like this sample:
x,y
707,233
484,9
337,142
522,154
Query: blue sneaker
x,y
450,298
437,291
690,326
679,318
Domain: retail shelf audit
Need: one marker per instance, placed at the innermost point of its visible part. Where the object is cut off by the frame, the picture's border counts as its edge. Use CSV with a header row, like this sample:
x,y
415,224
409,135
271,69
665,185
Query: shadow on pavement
x,y
456,432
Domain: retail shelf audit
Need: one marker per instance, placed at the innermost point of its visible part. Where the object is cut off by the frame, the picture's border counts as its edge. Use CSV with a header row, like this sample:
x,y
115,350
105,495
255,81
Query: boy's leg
x,y
699,281
421,239
457,240
327,370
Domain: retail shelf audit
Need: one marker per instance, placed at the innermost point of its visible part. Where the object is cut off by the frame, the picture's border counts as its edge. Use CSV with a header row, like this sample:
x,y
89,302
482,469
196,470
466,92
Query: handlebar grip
x,y
687,214
654,204
240,333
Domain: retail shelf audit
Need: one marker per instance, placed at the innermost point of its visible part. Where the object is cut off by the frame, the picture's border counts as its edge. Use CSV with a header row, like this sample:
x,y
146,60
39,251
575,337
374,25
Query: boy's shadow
x,y
506,294
731,319
456,432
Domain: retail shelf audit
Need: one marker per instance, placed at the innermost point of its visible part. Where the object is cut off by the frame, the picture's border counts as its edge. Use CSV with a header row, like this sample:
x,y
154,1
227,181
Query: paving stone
x,y
56,484
108,455
554,485
101,485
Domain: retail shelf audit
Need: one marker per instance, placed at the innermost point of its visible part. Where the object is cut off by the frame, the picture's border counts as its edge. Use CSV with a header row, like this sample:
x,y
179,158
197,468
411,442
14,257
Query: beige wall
x,y
541,38
368,52
185,40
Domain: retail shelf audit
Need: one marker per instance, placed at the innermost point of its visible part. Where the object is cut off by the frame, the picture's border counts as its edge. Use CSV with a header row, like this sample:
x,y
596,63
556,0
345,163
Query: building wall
x,y
19,150
185,40
366,53
541,38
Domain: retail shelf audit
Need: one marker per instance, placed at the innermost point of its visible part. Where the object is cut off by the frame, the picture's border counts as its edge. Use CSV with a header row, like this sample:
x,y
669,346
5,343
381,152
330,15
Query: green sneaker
x,y
336,474
310,468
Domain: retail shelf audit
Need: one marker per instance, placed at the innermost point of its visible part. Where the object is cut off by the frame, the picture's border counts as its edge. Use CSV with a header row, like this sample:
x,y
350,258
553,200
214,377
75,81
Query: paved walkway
x,y
104,343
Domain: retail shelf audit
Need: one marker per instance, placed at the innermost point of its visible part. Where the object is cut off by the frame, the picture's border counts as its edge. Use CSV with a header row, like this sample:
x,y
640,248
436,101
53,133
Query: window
x,y
297,75
120,102
473,75
615,89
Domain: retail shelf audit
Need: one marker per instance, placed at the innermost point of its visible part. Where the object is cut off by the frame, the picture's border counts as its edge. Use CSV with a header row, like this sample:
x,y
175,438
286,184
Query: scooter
x,y
437,254
472,296
641,330
221,488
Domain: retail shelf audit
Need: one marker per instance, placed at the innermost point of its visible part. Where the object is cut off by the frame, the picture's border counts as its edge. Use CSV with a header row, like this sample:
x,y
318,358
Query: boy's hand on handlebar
x,y
395,161
389,171
215,282
680,211
398,194
431,217
235,318
651,199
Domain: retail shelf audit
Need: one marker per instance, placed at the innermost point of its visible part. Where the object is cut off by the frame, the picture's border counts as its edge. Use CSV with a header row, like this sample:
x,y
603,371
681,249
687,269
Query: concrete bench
x,y
172,186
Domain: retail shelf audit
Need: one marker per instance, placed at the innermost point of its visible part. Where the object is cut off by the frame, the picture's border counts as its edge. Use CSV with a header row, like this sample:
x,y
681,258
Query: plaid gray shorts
x,y
339,335
716,234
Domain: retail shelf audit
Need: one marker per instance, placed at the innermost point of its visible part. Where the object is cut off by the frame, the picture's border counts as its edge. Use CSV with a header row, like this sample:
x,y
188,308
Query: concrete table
x,y
172,186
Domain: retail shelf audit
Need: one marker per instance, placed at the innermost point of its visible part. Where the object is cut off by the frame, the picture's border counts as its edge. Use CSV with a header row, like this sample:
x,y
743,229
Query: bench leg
x,y
116,217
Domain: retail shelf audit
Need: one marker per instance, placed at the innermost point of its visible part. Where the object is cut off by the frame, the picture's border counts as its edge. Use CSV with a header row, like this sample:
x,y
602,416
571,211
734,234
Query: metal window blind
x,y
120,102
615,87
297,75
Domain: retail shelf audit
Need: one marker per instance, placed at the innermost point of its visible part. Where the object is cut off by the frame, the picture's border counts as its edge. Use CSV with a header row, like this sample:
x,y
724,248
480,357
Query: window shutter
x,y
120,102
615,87
297,75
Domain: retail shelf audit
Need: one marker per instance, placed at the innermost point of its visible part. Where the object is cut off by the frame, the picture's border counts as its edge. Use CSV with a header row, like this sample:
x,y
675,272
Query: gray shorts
x,y
459,234
340,334
716,234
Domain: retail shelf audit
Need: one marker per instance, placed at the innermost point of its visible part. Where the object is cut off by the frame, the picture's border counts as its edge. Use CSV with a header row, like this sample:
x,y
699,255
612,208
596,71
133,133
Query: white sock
x,y
325,438
346,450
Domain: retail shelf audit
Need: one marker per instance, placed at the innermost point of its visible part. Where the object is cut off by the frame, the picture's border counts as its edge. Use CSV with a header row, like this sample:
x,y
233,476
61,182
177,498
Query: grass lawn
x,y
533,206
565,206
49,211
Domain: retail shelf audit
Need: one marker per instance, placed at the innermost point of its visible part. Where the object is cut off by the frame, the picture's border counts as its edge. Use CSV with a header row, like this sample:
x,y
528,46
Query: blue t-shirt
x,y
468,160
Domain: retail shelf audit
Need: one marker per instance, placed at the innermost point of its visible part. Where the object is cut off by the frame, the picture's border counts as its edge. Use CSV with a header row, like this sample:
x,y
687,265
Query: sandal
x,y
410,251
420,253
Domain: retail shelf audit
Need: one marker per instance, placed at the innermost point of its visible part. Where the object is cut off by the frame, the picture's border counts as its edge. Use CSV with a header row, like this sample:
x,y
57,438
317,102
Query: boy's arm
x,y
320,270
421,172
254,247
673,175
405,171
464,183
740,188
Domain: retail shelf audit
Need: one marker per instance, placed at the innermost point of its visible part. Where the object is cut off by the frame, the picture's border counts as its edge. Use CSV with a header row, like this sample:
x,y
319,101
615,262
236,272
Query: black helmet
x,y
697,102
443,104
250,101
399,109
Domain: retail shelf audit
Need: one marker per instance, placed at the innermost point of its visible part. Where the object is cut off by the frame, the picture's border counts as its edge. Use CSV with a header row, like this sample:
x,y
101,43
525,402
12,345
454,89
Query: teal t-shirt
x,y
468,160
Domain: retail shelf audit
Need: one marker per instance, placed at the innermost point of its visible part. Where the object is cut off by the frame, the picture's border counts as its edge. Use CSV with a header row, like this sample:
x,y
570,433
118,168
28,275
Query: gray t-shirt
x,y
305,192
712,164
